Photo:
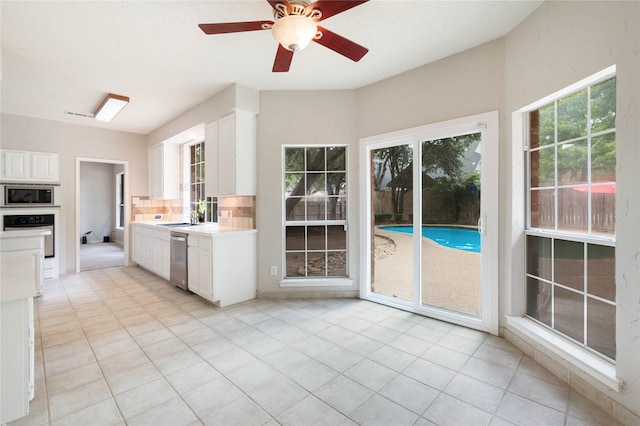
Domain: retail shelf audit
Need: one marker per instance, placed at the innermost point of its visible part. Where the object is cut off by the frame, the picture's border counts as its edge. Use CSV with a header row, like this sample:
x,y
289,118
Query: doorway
x,y
431,200
101,213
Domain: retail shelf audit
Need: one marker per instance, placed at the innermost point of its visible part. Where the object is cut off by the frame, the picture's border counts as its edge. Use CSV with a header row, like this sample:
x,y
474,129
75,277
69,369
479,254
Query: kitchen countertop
x,y
204,229
24,234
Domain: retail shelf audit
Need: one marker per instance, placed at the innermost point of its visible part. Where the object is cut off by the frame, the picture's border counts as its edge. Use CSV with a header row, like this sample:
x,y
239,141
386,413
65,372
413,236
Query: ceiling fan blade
x,y
341,45
283,59
330,8
234,27
273,4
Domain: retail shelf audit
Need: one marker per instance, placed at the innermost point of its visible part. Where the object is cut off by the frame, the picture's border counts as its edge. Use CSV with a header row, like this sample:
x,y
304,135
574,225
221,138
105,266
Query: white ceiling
x,y
60,57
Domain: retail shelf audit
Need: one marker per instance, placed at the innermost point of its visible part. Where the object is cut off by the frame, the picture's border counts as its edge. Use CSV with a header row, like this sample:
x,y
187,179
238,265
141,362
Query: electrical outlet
x,y
274,270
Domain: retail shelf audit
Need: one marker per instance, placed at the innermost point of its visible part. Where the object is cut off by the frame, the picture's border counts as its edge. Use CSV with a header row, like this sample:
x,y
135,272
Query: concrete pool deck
x,y
451,277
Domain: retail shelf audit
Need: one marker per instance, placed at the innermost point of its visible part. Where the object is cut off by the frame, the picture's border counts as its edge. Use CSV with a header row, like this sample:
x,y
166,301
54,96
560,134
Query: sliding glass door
x,y
392,271
450,211
431,204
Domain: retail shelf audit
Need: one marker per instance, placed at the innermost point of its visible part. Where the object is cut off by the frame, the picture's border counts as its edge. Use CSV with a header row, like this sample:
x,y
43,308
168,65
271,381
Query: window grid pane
x,y
570,284
196,185
315,194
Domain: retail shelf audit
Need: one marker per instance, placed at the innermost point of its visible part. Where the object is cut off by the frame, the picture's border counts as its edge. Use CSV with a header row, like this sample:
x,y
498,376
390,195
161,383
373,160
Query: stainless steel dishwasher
x,y
178,267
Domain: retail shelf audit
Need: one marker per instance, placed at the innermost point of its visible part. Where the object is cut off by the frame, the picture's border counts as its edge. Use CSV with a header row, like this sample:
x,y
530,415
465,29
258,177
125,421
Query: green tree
x,y
397,160
305,174
446,155
594,108
439,156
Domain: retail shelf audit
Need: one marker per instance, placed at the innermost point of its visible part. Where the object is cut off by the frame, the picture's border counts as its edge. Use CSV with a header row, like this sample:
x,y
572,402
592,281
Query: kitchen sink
x,y
179,224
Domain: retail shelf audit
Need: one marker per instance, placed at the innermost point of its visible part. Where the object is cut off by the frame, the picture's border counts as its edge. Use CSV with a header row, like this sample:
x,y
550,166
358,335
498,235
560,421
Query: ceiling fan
x,y
294,26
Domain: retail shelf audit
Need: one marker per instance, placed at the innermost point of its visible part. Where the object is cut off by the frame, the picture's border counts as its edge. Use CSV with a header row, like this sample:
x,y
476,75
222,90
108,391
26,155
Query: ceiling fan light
x,y
294,32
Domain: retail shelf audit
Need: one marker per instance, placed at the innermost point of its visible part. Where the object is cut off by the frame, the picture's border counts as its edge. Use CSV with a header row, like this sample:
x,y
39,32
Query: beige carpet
x,y
100,256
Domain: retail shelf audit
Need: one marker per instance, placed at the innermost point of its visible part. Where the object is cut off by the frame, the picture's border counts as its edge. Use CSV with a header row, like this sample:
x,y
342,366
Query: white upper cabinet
x,y
164,171
212,181
44,166
29,166
230,150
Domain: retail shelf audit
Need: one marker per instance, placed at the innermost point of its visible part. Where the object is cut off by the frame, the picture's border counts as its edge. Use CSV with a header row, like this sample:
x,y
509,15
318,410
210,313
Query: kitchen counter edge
x,y
197,229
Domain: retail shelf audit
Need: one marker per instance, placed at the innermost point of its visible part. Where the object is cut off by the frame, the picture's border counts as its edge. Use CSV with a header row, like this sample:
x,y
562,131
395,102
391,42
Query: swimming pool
x,y
457,238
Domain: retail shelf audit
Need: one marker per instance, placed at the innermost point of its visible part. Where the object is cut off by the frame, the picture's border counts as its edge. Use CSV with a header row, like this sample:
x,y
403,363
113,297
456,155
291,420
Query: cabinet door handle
x,y
481,226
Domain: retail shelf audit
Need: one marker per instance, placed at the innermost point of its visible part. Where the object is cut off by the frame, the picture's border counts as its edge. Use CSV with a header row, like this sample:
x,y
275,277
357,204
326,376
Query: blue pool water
x,y
457,238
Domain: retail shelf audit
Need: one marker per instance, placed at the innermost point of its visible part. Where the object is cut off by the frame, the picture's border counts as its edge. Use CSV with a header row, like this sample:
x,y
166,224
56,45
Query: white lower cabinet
x,y
150,248
199,266
221,266
161,252
21,264
165,253
137,245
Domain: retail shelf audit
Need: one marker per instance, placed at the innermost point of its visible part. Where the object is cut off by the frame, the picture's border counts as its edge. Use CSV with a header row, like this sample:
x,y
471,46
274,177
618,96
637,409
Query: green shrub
x,y
382,218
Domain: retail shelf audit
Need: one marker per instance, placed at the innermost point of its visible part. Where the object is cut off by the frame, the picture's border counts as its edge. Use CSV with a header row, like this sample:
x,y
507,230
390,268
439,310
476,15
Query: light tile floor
x,y
122,346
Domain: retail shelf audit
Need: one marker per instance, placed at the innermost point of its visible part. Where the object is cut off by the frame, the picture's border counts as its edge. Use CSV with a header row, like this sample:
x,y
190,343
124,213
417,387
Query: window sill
x,y
320,282
599,369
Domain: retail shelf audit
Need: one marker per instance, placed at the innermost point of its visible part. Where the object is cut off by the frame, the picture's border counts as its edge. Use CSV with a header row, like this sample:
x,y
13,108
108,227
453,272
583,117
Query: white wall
x,y
301,118
234,96
88,142
558,44
465,84
97,200
71,141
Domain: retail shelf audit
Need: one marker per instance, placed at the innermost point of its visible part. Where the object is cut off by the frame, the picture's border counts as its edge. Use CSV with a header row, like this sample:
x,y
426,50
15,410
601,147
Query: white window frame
x,y
187,205
315,281
486,123
523,327
119,197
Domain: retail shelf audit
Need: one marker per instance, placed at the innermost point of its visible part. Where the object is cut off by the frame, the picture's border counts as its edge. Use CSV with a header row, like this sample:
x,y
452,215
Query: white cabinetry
x,y
222,266
29,166
151,248
199,265
164,171
21,254
44,166
137,244
230,155
161,252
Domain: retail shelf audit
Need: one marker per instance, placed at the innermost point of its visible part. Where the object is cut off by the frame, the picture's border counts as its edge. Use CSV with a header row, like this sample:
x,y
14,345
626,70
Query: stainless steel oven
x,y
20,222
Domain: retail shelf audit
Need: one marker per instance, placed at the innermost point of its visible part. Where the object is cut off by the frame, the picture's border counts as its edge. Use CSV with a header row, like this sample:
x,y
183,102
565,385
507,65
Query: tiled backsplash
x,y
236,212
142,208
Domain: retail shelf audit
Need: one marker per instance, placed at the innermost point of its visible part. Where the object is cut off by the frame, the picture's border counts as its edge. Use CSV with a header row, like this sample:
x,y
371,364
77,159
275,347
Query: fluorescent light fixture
x,y
110,107
294,32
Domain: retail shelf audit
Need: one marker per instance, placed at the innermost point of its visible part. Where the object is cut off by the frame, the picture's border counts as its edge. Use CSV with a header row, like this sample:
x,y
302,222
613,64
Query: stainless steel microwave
x,y
30,195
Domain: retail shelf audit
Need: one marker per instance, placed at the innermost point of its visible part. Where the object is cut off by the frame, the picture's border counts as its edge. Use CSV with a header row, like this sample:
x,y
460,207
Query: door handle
x,y
481,226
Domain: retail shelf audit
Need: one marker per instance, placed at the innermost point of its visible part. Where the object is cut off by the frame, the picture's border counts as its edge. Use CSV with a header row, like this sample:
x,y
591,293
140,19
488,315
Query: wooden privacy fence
x,y
441,208
573,212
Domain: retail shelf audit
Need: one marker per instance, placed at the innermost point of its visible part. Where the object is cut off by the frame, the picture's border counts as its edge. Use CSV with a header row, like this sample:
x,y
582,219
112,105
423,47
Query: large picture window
x,y
570,243
315,206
